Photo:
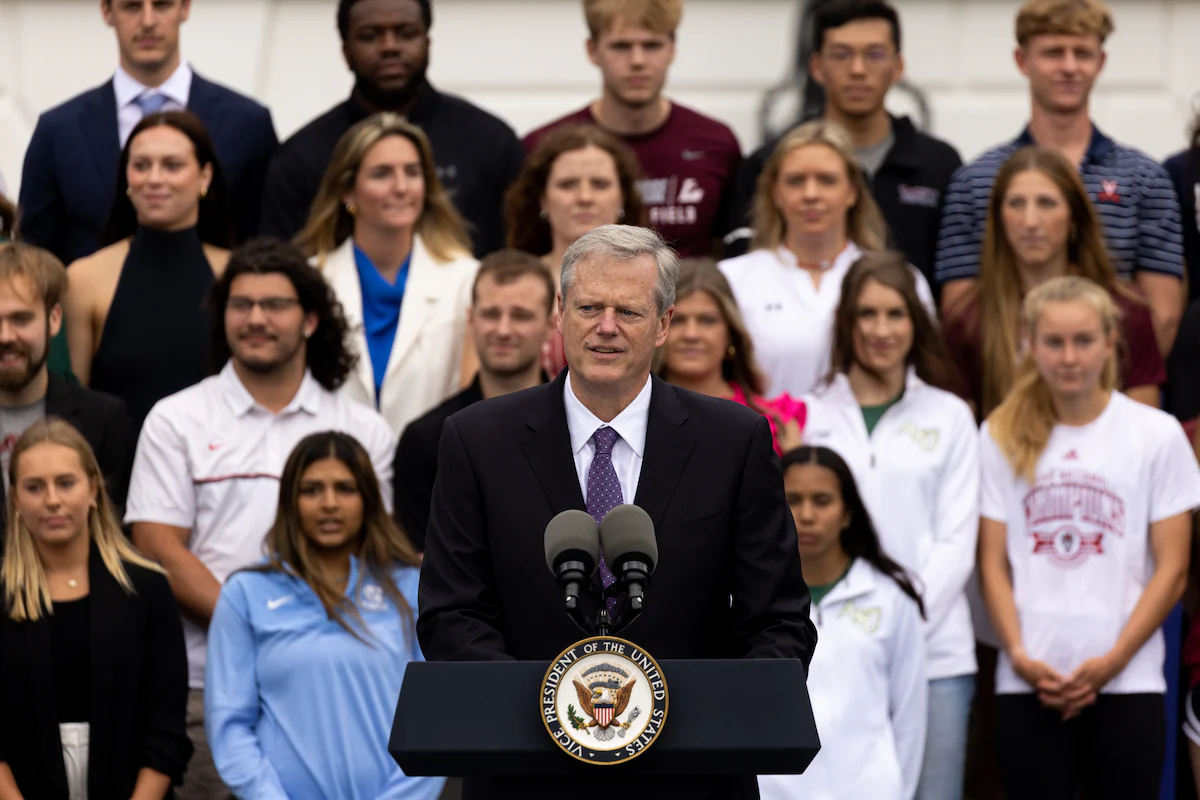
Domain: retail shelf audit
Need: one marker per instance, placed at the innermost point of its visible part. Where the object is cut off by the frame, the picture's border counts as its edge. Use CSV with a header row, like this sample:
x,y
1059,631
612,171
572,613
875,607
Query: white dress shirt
x,y
128,89
628,450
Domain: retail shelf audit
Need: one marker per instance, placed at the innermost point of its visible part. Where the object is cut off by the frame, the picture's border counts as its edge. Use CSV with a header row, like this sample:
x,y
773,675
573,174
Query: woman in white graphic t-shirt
x,y
1083,549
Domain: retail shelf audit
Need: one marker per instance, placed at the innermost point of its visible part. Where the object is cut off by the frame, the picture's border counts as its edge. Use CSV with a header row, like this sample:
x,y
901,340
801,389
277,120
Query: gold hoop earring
x,y
203,192
129,191
351,209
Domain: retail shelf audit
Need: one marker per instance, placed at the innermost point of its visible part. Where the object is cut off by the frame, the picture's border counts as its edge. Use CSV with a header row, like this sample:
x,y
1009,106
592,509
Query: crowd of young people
x,y
962,366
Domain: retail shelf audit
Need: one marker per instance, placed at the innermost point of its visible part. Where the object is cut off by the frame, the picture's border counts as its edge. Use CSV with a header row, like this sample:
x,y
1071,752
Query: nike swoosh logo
x,y
216,446
279,601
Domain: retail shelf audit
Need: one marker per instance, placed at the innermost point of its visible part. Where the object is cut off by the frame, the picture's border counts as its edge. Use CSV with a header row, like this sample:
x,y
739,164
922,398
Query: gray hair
x,y
625,243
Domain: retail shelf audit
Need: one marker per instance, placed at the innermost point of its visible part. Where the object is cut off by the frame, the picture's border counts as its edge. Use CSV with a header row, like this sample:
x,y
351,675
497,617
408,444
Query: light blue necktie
x,y
151,102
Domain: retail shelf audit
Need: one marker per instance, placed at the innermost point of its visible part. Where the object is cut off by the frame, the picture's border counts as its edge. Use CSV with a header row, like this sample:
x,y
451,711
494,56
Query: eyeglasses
x,y
872,56
269,305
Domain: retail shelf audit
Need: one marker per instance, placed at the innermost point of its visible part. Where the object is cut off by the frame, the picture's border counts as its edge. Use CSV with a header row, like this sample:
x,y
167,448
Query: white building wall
x,y
525,61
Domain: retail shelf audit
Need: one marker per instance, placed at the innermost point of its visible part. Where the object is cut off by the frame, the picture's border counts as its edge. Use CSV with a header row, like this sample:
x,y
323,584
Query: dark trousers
x,y
1114,749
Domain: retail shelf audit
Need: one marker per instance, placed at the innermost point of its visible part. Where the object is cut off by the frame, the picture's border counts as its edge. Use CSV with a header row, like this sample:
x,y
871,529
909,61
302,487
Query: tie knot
x,y
151,102
604,438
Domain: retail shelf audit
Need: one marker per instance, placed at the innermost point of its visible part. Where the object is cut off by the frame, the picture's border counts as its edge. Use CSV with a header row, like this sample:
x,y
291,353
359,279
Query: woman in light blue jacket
x,y
306,653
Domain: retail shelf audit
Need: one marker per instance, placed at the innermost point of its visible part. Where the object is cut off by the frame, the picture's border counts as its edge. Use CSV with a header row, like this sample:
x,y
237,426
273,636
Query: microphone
x,y
572,545
630,549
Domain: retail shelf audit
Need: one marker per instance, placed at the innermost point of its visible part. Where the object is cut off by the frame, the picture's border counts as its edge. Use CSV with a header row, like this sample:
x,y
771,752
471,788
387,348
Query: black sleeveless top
x,y
155,340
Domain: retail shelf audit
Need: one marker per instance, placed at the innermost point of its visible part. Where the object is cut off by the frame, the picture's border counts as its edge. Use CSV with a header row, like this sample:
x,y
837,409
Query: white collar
x,y
177,87
843,260
840,386
630,424
241,402
859,580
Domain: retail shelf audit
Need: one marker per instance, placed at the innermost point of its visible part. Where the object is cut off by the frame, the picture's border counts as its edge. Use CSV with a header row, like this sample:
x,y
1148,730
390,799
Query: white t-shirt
x,y
789,318
1078,543
209,459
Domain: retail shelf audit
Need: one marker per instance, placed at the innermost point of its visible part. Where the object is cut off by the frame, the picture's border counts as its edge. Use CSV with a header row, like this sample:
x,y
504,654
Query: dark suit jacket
x,y
416,463
70,173
138,684
711,482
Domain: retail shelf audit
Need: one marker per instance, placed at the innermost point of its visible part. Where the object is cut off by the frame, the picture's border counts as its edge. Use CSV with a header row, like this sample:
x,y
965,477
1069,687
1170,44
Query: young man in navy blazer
x,y
70,170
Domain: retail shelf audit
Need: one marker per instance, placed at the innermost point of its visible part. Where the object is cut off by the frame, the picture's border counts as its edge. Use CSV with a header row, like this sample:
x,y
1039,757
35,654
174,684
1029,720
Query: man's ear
x,y
816,69
592,51
1021,57
55,319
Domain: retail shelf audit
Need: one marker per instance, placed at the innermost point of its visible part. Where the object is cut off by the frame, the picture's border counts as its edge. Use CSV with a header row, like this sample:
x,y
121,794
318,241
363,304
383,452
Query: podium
x,y
726,717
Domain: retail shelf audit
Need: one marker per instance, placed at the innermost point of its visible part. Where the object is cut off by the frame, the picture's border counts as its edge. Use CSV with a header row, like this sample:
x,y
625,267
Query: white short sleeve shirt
x,y
209,459
1078,537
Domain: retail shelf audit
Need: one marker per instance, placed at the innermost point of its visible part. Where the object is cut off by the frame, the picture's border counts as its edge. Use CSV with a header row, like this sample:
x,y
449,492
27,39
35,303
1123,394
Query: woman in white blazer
x,y
388,240
913,447
867,678
813,217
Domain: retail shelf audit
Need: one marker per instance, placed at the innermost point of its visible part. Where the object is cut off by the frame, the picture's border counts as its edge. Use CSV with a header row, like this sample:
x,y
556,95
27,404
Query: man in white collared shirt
x,y
205,479
606,432
70,171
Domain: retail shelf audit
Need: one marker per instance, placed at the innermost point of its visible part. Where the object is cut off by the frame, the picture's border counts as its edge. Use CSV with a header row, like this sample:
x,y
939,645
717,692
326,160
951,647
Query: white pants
x,y
75,737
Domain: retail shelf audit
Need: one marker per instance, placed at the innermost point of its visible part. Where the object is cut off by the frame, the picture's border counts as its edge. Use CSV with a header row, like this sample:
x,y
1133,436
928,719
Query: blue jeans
x,y
946,738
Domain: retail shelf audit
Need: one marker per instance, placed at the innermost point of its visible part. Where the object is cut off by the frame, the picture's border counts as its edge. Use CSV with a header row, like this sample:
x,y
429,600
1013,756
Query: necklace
x,y
72,583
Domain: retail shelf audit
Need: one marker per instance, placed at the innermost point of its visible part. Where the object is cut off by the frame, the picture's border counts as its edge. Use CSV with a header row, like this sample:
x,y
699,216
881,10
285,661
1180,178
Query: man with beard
x,y
856,59
511,314
205,482
690,161
386,46
32,284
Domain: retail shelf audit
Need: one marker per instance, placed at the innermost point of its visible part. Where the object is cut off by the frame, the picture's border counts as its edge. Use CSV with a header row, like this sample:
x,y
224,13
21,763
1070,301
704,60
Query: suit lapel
x,y
98,126
61,402
203,102
668,447
548,448
342,274
423,292
109,620
41,681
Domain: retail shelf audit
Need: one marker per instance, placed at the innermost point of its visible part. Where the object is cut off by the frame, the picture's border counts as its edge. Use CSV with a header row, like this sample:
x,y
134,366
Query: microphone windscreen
x,y
626,530
572,530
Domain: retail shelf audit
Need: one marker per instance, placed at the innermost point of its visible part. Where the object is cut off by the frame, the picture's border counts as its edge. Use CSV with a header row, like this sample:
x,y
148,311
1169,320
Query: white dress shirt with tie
x,y
128,89
628,450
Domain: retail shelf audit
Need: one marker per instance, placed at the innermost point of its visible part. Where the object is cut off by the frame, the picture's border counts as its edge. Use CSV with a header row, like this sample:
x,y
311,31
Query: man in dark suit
x,y
32,283
728,583
70,170
386,46
511,315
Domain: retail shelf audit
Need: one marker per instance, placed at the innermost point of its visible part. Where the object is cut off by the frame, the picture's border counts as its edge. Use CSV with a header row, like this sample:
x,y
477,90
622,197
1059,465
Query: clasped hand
x,y
1072,694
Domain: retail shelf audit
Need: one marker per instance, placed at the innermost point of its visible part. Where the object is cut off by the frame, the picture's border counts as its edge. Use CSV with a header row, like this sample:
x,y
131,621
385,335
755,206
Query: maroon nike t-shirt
x,y
690,163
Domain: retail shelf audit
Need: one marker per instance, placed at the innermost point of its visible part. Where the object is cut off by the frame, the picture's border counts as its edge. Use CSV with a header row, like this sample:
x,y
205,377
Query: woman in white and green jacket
x,y
913,447
867,677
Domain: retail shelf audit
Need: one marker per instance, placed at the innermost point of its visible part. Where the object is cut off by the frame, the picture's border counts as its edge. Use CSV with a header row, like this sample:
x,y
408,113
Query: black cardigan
x,y
139,690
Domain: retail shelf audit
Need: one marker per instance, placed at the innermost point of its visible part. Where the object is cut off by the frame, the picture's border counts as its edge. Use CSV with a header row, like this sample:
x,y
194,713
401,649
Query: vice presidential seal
x,y
604,700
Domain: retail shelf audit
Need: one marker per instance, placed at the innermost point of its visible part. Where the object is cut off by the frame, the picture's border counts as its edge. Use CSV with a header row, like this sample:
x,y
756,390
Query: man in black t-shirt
x,y
386,46
856,59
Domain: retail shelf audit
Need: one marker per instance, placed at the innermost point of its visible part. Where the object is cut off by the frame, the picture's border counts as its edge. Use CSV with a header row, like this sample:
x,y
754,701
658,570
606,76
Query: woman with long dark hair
x,y
134,313
888,408
1084,538
867,679
306,653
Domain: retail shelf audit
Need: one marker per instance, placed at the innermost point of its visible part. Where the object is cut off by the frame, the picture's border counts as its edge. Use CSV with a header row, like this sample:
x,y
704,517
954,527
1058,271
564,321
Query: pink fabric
x,y
779,410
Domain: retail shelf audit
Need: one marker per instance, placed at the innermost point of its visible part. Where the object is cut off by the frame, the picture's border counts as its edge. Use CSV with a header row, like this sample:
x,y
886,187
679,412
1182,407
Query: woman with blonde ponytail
x,y
83,610
1084,539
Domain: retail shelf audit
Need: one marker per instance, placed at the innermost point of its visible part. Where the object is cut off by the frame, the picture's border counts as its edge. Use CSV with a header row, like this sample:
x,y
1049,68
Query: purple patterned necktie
x,y
603,491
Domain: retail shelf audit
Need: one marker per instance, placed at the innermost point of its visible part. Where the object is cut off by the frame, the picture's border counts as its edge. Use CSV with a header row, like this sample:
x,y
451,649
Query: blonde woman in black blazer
x,y
93,672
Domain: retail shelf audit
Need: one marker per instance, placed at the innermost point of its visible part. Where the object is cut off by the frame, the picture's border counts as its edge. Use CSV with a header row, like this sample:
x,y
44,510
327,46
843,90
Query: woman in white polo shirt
x,y
867,679
913,446
813,217
1083,550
